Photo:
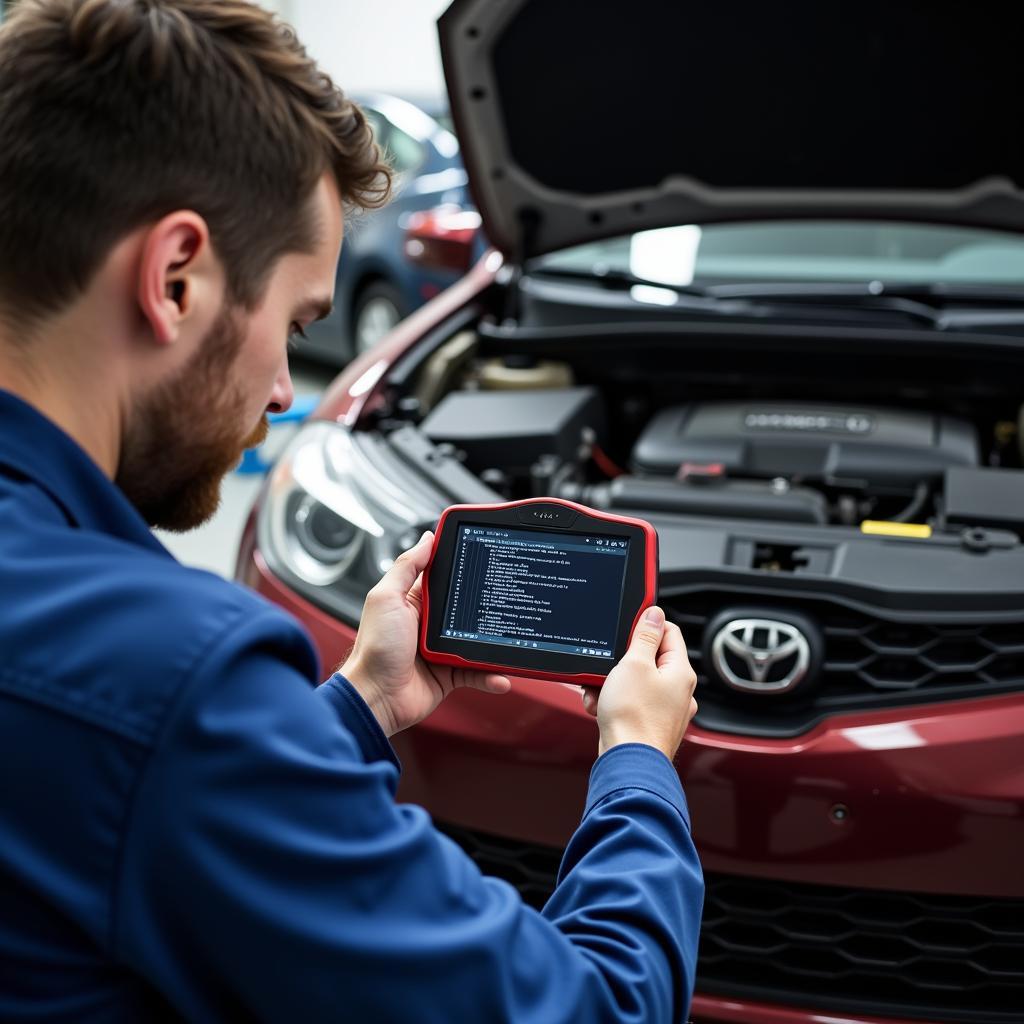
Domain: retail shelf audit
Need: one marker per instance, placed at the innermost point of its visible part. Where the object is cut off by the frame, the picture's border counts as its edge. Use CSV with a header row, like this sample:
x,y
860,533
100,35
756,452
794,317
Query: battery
x,y
513,429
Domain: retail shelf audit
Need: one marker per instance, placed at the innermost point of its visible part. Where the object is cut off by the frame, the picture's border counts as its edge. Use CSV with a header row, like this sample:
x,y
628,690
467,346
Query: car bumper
x,y
925,800
733,1011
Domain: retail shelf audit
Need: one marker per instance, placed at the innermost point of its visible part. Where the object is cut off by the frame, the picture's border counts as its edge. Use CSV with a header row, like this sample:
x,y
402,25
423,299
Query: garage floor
x,y
214,545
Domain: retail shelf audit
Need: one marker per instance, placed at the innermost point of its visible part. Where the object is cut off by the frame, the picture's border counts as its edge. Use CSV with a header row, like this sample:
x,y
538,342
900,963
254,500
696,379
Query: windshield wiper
x,y
619,280
944,306
934,293
745,300
858,296
940,306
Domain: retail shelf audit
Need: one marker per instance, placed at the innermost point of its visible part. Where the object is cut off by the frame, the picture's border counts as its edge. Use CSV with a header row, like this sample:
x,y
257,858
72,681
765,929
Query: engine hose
x,y
916,505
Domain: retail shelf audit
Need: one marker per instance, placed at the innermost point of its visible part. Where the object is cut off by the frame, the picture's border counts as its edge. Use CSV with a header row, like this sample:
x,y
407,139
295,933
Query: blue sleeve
x,y
631,883
268,873
355,716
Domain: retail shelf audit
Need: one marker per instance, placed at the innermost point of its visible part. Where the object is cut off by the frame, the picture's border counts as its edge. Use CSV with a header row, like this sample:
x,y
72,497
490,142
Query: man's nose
x,y
283,394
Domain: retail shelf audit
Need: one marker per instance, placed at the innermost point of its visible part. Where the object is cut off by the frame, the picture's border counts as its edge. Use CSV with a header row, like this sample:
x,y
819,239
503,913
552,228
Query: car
x,y
379,279
785,264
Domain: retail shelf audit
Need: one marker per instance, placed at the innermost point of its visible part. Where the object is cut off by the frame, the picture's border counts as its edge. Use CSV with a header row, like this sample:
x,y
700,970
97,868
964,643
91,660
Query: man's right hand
x,y
648,695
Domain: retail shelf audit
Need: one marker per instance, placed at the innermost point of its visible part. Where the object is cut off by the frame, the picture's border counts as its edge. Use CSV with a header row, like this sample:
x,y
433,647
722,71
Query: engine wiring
x,y
605,463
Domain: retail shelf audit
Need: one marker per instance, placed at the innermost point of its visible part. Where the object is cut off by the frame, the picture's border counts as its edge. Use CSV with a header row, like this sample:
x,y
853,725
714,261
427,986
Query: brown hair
x,y
116,112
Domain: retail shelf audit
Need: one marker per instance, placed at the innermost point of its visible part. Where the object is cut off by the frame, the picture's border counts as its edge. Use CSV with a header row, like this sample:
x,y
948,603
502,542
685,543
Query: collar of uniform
x,y
38,450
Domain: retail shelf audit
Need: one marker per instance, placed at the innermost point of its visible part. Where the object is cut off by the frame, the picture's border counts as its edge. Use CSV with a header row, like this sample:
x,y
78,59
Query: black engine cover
x,y
850,447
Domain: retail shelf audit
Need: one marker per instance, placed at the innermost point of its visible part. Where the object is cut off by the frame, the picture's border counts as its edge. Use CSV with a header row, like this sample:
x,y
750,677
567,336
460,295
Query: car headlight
x,y
339,508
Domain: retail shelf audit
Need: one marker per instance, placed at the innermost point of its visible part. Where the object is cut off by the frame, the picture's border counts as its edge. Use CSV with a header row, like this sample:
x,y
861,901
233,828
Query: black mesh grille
x,y
938,958
869,661
950,958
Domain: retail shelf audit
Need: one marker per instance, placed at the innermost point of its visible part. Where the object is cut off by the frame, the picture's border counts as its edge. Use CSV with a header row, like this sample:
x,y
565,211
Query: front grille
x,y
949,958
931,957
893,656
869,661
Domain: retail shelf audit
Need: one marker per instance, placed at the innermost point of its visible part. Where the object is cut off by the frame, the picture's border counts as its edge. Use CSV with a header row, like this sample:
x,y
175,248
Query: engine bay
x,y
527,427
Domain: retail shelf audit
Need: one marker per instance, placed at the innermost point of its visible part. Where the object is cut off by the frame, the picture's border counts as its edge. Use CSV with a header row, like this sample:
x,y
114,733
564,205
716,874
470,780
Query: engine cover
x,y
850,447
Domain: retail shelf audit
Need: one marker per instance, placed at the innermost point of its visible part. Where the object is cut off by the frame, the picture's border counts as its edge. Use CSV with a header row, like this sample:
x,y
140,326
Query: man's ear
x,y
174,272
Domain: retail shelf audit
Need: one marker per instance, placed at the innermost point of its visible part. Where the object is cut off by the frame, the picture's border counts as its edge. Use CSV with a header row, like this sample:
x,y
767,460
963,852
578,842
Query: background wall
x,y
390,45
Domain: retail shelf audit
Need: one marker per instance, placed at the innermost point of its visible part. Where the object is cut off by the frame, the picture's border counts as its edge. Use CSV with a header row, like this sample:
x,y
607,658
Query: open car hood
x,y
583,119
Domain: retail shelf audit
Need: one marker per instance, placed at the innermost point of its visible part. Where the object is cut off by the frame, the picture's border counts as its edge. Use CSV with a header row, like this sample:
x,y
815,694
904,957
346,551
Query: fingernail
x,y
655,616
426,534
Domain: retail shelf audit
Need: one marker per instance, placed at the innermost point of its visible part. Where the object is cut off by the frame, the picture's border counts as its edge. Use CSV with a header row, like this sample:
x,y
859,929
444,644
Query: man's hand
x,y
648,696
398,686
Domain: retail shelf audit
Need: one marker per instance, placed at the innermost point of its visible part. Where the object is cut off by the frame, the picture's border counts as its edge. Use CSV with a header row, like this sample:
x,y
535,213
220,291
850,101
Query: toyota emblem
x,y
760,655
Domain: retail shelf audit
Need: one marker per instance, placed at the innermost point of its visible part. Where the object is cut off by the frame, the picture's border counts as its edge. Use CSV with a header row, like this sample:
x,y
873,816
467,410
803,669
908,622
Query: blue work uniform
x,y
191,829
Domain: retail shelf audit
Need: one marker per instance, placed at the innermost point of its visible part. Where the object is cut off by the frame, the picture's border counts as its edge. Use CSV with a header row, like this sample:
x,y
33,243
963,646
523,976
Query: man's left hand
x,y
399,687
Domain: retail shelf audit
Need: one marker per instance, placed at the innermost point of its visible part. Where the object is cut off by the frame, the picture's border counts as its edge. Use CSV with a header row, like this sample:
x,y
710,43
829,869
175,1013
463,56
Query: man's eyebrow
x,y
319,307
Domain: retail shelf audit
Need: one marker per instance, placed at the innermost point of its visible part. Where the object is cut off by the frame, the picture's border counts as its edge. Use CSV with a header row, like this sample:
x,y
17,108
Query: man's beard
x,y
184,438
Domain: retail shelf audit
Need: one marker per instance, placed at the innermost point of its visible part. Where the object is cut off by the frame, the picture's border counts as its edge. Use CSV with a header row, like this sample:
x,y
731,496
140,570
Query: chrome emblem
x,y
760,655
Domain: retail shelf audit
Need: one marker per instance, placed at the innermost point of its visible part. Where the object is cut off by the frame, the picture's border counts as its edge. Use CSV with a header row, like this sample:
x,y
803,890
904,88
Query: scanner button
x,y
552,516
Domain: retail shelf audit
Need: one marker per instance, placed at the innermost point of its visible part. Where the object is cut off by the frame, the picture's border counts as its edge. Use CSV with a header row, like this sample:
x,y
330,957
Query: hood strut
x,y
529,223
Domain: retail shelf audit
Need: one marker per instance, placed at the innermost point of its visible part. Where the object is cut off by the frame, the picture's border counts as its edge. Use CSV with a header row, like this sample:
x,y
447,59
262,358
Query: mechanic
x,y
191,828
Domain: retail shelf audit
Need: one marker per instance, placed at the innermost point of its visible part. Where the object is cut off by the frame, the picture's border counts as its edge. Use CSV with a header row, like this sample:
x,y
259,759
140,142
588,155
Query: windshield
x,y
799,251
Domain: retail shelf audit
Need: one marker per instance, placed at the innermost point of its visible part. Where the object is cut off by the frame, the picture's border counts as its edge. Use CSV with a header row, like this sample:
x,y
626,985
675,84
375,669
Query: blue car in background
x,y
395,259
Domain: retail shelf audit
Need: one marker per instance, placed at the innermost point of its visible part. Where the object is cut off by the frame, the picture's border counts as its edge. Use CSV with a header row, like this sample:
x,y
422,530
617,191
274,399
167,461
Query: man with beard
x,y
190,828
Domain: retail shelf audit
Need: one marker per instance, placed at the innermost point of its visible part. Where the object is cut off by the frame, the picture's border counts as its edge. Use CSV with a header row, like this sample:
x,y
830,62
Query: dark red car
x,y
759,278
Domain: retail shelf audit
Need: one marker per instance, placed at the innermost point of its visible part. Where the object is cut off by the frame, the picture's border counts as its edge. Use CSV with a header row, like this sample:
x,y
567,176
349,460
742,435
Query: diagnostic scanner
x,y
543,587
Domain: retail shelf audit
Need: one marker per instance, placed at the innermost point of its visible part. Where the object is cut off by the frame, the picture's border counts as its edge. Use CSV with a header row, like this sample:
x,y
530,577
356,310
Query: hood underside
x,y
583,120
